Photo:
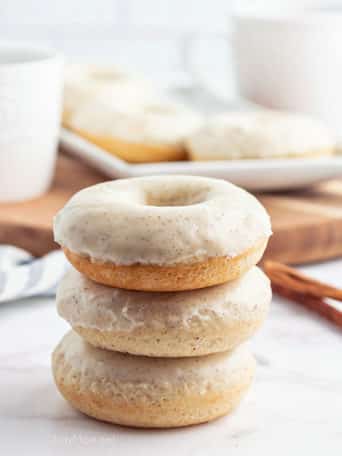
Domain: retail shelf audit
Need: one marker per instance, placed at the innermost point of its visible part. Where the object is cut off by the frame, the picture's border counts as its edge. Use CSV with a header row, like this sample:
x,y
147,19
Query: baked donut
x,y
150,392
163,233
260,134
125,115
187,323
136,132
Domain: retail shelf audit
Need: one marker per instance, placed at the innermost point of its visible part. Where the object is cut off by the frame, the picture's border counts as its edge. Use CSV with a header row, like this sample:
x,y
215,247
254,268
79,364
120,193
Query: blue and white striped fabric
x,y
22,275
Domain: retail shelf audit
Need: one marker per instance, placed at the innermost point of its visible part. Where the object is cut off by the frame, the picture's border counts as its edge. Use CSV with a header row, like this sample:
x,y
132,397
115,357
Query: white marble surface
x,y
294,407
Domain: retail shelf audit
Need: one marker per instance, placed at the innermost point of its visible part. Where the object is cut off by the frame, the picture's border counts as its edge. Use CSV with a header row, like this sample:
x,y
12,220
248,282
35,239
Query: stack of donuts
x,y
161,298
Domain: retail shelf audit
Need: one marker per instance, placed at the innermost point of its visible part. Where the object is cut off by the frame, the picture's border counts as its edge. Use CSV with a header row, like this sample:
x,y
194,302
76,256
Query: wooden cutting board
x,y
307,224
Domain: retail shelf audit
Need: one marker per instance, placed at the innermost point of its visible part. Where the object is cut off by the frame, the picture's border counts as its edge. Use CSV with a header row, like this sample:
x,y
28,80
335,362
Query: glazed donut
x,y
153,131
187,323
150,392
260,134
163,233
125,115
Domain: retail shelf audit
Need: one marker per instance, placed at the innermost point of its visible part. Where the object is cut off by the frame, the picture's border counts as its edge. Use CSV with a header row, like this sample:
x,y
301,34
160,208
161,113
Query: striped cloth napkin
x,y
22,275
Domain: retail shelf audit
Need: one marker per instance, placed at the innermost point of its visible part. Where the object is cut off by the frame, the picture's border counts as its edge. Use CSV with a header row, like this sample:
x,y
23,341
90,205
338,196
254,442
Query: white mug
x,y
291,59
30,108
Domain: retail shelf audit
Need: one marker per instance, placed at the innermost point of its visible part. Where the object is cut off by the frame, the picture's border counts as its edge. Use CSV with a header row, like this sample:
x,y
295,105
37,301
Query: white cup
x,y
291,59
30,108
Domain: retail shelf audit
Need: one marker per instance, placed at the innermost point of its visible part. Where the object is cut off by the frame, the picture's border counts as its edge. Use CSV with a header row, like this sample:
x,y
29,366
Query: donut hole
x,y
176,198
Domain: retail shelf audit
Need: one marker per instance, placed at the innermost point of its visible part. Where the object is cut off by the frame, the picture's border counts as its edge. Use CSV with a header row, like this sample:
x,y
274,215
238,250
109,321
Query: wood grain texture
x,y
307,224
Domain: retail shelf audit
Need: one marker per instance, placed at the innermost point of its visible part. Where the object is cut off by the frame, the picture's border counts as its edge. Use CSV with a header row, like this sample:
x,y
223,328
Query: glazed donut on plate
x,y
151,131
163,233
150,392
185,323
260,134
125,115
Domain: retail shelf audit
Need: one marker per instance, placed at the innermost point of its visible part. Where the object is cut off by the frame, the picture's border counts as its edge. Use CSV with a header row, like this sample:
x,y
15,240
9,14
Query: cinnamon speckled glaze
x,y
161,220
260,134
150,392
122,233
187,323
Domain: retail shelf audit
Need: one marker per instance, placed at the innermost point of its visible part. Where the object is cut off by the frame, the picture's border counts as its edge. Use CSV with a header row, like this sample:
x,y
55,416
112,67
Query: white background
x,y
146,35
160,38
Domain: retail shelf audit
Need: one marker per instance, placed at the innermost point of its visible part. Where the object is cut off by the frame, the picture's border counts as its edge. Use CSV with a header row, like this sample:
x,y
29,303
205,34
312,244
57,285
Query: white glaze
x,y
142,220
87,304
198,372
121,115
107,101
259,134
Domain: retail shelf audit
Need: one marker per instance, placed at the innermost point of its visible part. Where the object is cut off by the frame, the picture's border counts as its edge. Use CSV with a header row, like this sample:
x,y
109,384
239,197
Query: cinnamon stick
x,y
296,286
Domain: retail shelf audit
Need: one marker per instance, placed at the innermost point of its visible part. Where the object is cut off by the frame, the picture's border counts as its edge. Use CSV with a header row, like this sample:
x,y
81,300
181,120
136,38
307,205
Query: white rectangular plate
x,y
260,175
